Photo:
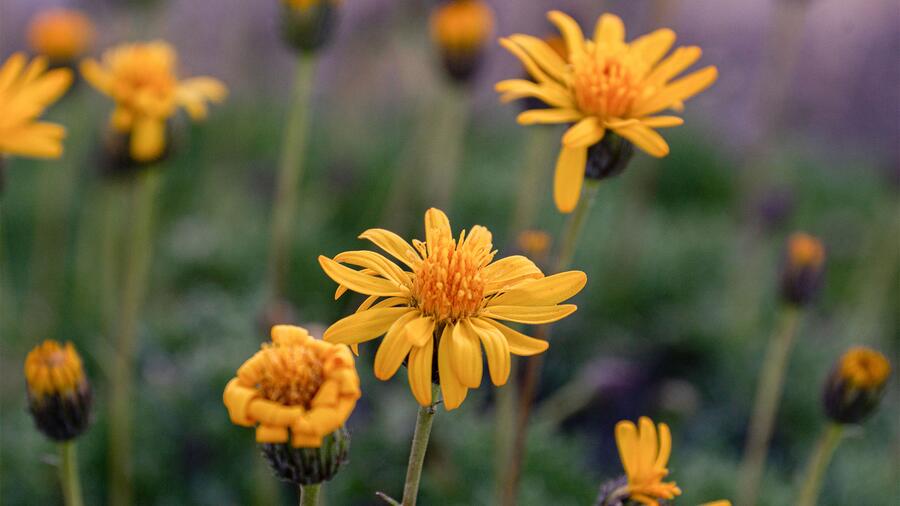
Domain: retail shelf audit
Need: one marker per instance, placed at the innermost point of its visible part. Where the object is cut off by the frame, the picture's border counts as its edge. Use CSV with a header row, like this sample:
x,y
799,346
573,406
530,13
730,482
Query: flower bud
x,y
460,29
801,275
855,385
116,158
307,466
59,395
609,157
307,25
62,35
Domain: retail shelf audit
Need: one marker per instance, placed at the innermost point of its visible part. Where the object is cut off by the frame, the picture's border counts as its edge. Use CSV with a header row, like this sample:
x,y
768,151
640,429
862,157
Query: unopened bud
x,y
59,395
803,268
460,29
855,386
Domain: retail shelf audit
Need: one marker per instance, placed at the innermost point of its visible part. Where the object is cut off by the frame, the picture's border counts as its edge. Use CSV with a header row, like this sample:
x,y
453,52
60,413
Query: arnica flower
x,y
604,85
26,89
142,81
855,386
451,300
459,29
307,25
297,391
645,454
59,395
801,276
62,35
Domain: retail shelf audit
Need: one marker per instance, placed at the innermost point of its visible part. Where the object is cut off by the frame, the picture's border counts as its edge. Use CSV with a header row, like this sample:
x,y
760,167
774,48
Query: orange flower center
x,y
448,284
605,85
290,375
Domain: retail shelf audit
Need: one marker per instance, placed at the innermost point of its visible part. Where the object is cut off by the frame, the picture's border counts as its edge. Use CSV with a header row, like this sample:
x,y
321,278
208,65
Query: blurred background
x,y
682,254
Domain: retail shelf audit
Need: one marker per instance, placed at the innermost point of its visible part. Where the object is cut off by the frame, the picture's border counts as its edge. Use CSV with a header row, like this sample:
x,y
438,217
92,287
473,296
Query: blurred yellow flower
x,y
461,25
645,454
26,89
53,369
297,389
451,299
864,368
605,84
805,250
141,79
61,34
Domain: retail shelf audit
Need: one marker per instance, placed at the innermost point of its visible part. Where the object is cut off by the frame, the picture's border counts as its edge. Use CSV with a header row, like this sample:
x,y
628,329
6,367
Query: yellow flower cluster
x,y
298,389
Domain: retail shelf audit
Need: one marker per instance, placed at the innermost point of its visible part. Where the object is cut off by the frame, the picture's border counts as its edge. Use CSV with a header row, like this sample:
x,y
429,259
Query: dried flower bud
x,y
59,395
855,385
804,264
307,25
460,29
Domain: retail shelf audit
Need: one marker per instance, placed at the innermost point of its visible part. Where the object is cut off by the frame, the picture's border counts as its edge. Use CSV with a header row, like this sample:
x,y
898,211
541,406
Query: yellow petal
x,y
148,139
394,245
420,372
550,93
585,133
393,348
665,446
610,31
677,91
530,314
569,29
437,228
465,355
519,344
375,262
653,46
542,292
452,390
533,69
680,59
542,54
11,69
365,326
644,138
420,331
496,349
548,116
626,441
662,121
647,442
359,282
568,178
509,271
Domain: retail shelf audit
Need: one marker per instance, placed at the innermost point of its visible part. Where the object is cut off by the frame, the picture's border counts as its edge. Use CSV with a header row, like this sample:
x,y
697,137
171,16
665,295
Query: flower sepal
x,y
609,157
308,466
307,28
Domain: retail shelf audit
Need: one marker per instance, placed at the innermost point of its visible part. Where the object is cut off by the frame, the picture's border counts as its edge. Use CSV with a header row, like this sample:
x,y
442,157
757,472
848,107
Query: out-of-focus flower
x,y
605,85
534,243
297,391
59,395
645,454
26,89
307,25
855,386
62,35
450,300
142,81
804,264
459,29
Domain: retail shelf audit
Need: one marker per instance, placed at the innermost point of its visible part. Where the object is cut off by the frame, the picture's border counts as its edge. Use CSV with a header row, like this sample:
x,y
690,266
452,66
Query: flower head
x,y
142,81
452,300
804,262
26,89
59,395
645,454
62,35
856,384
296,390
459,28
306,25
603,85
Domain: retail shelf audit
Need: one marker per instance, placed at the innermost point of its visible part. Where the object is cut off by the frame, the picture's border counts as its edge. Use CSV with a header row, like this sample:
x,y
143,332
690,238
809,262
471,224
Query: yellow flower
x,y
53,369
61,34
297,389
461,26
26,89
605,84
864,368
451,299
535,243
804,251
644,455
141,79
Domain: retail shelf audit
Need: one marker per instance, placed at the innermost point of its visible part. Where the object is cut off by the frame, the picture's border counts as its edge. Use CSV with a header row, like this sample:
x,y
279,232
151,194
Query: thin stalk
x,y
68,474
818,463
309,494
139,247
568,243
290,172
534,175
424,420
765,407
447,148
504,419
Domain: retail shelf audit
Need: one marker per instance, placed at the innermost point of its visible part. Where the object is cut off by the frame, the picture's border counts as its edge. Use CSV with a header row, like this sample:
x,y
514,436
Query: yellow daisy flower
x,y
26,89
298,389
604,84
644,454
452,299
59,394
61,34
142,81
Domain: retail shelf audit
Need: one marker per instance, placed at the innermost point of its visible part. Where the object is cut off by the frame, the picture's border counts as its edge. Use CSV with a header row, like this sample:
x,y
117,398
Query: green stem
x,y
309,494
290,172
447,149
532,177
821,457
424,420
575,224
145,188
68,474
768,396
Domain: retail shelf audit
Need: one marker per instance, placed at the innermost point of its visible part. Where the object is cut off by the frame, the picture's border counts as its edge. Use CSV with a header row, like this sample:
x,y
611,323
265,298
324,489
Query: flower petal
x,y
626,441
496,349
148,138
545,291
543,55
568,178
530,314
359,282
394,245
420,331
393,348
465,355
552,94
569,29
519,344
452,390
419,372
587,132
610,31
548,116
509,271
662,121
437,228
377,263
677,91
365,326
643,137
653,46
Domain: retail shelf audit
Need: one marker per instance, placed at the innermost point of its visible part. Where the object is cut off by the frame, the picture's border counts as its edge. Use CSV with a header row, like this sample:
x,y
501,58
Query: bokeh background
x,y
800,133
